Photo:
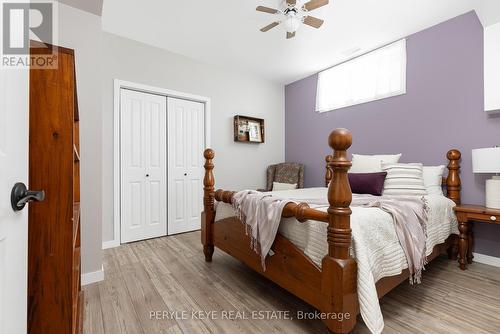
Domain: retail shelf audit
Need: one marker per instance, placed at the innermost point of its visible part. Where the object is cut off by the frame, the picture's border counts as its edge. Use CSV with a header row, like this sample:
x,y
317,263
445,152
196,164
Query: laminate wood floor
x,y
170,275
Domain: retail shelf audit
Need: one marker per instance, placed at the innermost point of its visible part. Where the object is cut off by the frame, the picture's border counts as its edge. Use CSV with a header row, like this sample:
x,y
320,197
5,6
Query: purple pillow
x,y
367,183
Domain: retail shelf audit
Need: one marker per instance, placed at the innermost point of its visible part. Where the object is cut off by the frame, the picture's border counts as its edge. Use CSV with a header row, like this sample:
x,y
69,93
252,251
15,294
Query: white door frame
x,y
121,84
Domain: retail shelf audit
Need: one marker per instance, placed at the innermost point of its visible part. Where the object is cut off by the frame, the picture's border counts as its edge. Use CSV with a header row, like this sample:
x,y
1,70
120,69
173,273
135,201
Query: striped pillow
x,y
404,179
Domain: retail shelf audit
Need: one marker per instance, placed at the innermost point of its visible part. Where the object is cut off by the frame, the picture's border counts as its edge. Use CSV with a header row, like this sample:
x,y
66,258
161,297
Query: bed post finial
x,y
208,216
339,270
328,173
453,183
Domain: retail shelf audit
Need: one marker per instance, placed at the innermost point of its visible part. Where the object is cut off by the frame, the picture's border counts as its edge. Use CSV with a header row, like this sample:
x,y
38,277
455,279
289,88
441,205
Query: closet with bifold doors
x,y
162,139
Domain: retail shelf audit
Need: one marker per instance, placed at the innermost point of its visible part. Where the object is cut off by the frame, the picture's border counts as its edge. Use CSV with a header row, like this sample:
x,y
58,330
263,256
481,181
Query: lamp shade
x,y
486,160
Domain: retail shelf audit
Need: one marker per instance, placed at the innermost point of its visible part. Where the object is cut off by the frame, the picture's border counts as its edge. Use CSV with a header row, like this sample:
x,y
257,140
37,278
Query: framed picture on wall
x,y
254,132
248,129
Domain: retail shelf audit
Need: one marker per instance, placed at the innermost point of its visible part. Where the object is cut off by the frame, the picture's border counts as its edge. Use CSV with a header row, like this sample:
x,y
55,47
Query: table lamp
x,y
487,161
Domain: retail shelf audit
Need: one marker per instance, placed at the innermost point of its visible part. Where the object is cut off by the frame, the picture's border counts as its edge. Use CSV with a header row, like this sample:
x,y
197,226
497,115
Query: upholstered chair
x,y
291,173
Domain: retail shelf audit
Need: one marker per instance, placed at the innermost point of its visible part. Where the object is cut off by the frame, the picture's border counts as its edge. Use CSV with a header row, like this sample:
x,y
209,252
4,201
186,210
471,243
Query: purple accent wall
x,y
442,109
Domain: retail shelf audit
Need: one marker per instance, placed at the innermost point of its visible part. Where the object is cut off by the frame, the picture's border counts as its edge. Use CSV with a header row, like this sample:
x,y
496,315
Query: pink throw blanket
x,y
410,215
261,213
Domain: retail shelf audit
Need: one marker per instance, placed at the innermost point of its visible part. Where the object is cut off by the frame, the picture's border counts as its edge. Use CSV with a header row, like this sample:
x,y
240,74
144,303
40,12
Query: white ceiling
x,y
226,32
91,6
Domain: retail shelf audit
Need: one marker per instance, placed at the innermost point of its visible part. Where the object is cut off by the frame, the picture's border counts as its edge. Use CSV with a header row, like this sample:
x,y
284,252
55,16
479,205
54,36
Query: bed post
x,y
339,269
453,187
208,215
453,183
328,173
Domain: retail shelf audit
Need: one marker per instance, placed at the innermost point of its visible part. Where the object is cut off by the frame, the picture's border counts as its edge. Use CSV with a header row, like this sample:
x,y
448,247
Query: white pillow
x,y
283,186
433,179
371,163
404,179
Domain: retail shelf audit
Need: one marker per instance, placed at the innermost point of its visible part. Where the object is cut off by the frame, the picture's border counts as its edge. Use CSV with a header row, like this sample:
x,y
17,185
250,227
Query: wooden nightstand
x,y
466,214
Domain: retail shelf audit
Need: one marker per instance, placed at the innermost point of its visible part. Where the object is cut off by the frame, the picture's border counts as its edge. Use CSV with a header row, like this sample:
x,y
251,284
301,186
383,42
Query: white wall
x,y
237,165
102,57
492,67
81,31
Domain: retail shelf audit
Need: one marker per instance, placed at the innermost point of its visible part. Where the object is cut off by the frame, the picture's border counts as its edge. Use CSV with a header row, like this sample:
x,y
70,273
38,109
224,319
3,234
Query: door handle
x,y
185,174
20,196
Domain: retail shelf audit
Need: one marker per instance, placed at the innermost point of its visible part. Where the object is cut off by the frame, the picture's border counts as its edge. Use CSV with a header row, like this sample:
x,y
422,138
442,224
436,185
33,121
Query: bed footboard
x,y
337,295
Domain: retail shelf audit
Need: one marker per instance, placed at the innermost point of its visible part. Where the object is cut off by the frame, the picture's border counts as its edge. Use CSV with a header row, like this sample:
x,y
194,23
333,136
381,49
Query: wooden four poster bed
x,y
332,289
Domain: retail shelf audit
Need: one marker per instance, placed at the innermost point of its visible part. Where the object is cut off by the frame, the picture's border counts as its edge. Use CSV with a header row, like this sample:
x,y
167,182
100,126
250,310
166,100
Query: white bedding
x,y
375,245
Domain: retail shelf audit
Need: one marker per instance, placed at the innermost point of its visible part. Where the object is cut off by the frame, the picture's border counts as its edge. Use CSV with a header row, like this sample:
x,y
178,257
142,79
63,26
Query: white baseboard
x,y
93,277
486,259
110,244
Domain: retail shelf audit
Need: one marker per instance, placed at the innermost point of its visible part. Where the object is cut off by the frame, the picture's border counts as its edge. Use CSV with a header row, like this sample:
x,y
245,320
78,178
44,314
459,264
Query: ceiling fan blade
x,y
290,35
269,26
291,2
267,10
313,21
313,4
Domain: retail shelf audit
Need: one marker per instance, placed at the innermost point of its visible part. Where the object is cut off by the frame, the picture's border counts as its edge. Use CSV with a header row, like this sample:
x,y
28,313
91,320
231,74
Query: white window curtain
x,y
373,76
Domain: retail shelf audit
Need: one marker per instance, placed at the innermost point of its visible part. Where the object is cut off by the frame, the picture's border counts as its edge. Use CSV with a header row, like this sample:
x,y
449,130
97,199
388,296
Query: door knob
x,y
185,174
20,196
147,175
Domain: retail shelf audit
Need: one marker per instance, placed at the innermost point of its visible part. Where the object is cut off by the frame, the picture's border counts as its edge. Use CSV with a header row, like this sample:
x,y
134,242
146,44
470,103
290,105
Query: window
x,y
373,76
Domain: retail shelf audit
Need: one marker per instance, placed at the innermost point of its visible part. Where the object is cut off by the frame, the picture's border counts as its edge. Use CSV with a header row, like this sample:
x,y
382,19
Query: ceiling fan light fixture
x,y
292,23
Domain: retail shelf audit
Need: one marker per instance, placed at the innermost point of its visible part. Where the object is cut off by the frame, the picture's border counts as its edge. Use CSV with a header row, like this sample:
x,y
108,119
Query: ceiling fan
x,y
293,16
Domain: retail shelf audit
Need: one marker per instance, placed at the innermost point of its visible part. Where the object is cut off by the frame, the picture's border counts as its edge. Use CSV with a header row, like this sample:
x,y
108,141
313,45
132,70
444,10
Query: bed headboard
x,y
452,182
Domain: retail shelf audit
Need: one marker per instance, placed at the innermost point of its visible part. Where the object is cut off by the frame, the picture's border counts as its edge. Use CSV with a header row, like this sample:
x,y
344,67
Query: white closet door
x,y
143,166
186,133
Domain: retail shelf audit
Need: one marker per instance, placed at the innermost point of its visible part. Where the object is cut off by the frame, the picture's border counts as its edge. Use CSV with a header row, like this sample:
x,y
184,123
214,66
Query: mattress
x,y
375,245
